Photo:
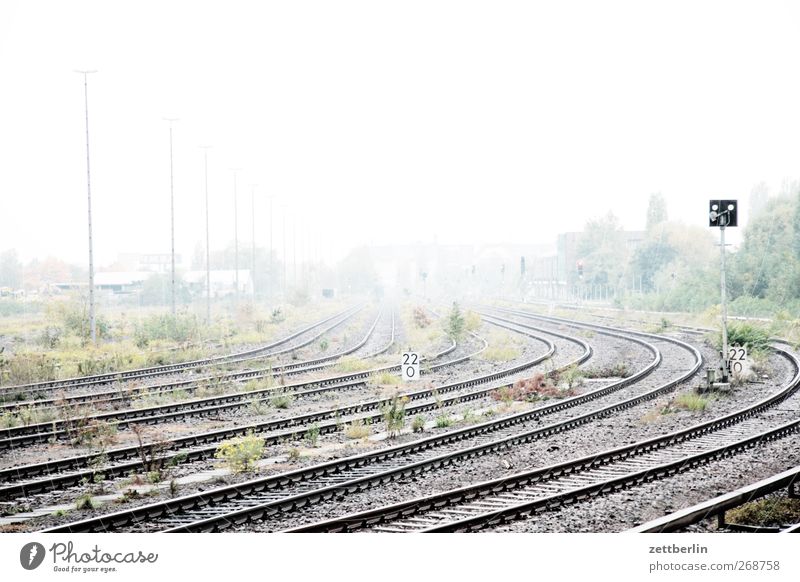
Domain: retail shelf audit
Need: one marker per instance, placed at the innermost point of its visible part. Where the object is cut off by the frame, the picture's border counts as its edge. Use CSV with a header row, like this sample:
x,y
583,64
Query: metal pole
x,y
271,262
723,221
253,237
92,318
236,235
294,250
284,253
172,213
208,244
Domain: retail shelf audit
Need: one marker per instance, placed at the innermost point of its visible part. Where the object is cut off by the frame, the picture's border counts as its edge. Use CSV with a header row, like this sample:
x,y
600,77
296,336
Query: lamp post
x,y
208,247
283,207
92,315
271,263
253,237
235,234
172,213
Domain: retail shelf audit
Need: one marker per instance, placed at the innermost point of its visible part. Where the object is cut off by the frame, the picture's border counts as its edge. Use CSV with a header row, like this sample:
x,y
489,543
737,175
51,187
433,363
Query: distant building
x,y
223,282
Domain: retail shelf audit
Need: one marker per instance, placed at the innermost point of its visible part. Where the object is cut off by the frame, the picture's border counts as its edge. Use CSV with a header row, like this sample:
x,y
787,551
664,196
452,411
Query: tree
x,y
10,270
656,210
455,323
603,250
357,271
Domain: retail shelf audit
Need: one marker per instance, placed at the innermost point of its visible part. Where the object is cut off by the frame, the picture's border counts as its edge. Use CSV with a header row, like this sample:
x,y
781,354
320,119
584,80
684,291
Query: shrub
x,y
85,502
281,401
357,430
769,512
418,425
420,317
454,324
323,345
472,321
572,376
443,421
534,388
755,339
258,407
394,415
312,435
241,454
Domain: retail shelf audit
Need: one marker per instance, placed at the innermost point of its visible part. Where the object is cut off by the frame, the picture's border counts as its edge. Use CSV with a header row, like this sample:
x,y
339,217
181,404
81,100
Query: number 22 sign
x,y
410,366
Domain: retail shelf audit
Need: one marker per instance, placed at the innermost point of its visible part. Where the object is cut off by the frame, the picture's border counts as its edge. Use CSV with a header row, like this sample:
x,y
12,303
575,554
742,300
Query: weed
x,y
418,424
394,415
351,364
281,401
769,512
443,421
293,455
385,379
312,435
84,502
357,430
240,454
258,407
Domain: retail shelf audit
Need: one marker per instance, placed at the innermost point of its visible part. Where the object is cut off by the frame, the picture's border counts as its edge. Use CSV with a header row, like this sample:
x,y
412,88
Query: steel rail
x,y
52,474
164,369
219,522
135,515
717,506
501,500
44,432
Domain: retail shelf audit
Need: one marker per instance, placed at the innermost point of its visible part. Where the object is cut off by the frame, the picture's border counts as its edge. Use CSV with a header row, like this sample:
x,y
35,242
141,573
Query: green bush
x,y
394,415
240,454
312,435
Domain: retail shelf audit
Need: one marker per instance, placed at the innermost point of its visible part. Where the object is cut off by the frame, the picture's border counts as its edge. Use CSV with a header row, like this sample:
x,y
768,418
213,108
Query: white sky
x,y
387,121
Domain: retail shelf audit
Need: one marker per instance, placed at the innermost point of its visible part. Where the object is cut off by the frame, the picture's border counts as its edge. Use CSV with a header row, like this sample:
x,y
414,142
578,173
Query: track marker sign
x,y
409,366
737,360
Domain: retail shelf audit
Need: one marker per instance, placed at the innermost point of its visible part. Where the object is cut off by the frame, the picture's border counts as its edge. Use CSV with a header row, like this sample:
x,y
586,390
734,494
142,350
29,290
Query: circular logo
x,y
31,555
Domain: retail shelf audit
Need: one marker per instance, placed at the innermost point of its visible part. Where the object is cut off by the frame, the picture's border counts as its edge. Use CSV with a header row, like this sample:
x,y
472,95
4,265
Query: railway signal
x,y
722,214
579,264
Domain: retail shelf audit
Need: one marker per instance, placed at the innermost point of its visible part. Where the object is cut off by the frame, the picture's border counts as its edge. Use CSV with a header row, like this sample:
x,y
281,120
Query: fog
x,y
377,123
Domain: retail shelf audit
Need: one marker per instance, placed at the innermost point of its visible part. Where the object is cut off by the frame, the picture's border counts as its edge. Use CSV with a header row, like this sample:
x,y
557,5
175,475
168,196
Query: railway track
x,y
324,471
43,388
258,499
716,507
39,477
45,432
122,393
492,503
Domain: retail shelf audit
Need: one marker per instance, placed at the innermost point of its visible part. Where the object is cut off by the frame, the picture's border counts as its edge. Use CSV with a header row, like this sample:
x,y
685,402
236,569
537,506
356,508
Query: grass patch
x,y
502,348
688,401
769,512
619,370
385,379
357,430
444,421
281,401
351,364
